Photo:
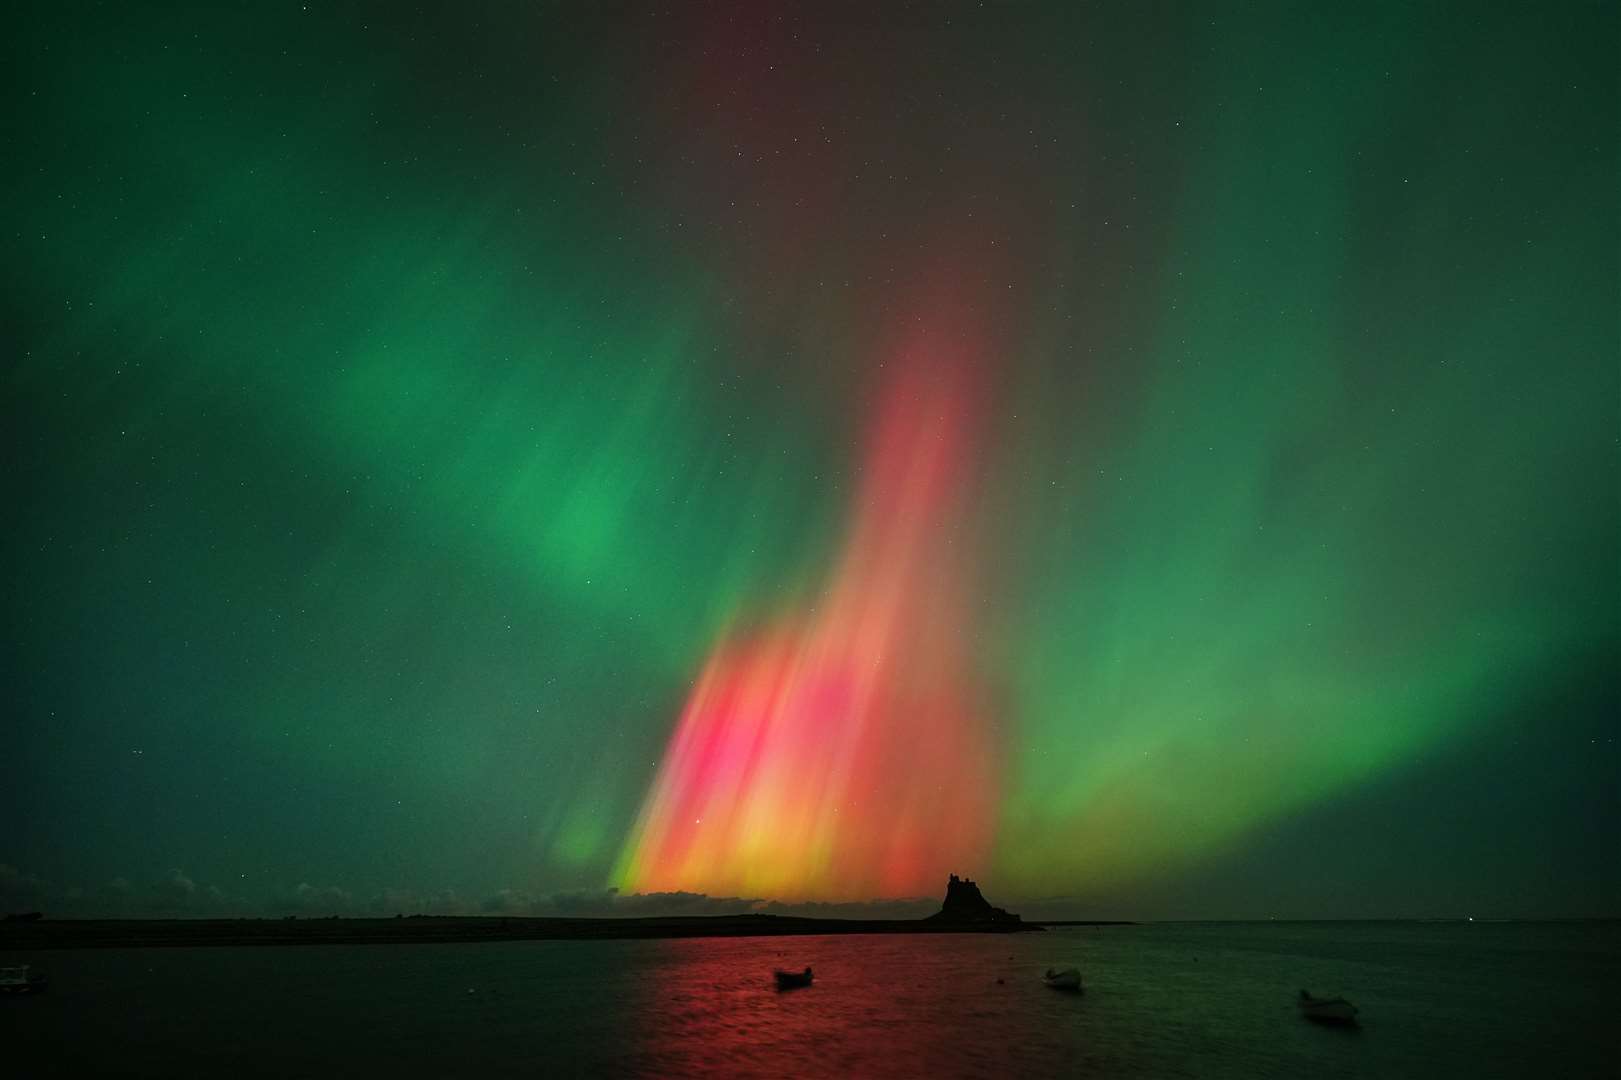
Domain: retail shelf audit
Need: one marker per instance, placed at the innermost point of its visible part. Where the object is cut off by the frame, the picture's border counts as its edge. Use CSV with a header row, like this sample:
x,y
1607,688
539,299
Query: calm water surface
x,y
1197,1000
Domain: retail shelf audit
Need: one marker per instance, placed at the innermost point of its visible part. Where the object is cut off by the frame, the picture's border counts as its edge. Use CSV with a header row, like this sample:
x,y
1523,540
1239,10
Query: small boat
x,y
1326,1010
21,980
791,980
1067,979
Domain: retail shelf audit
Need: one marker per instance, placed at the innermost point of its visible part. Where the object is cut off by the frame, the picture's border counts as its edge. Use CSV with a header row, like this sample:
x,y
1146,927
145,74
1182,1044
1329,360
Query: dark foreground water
x,y
1198,1000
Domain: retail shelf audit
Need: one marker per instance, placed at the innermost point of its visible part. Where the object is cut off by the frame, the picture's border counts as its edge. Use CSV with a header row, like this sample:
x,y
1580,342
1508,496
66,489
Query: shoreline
x,y
446,929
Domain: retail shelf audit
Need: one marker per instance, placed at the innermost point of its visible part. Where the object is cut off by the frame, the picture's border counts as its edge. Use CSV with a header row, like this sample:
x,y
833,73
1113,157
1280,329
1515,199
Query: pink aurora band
x,y
840,752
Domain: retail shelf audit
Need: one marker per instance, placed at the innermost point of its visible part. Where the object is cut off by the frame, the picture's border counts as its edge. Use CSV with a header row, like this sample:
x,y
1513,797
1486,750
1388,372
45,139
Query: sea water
x,y
1170,999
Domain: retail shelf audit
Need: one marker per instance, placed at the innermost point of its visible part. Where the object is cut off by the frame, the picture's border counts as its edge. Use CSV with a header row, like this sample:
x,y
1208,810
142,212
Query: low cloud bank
x,y
176,894
916,908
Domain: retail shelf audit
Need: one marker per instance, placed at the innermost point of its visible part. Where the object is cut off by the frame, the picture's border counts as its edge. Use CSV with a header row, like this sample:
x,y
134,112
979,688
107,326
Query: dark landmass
x,y
964,912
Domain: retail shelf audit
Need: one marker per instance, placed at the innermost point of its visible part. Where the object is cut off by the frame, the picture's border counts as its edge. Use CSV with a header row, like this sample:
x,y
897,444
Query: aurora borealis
x,y
797,743
1159,463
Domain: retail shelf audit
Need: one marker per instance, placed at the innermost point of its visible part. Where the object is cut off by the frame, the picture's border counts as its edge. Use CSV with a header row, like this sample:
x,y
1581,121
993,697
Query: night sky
x,y
515,457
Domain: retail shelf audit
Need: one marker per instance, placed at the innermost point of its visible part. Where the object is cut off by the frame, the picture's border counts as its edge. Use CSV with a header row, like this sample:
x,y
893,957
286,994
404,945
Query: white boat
x,y
788,980
1326,1010
1067,979
20,980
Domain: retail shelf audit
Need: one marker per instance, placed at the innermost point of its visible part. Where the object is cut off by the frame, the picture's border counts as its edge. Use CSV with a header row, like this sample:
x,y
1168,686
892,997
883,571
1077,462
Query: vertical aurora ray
x,y
839,751
1236,614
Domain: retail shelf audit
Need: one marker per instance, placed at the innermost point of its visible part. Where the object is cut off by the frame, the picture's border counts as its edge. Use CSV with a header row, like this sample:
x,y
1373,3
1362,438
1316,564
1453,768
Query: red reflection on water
x,y
880,1005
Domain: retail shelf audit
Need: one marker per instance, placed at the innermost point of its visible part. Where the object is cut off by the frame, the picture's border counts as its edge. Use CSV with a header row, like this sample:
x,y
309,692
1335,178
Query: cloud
x,y
19,891
507,902
178,885
307,899
176,894
913,908
610,903
173,894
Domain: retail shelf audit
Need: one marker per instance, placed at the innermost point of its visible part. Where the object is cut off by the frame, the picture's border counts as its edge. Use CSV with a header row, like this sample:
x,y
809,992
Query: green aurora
x,y
401,408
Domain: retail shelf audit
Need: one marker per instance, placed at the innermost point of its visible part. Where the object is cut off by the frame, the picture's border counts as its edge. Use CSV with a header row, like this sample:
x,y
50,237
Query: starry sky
x,y
1159,460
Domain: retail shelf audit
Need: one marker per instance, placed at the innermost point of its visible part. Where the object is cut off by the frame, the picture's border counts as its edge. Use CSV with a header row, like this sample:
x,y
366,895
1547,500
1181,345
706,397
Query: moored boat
x,y
789,980
1326,1010
1067,979
21,979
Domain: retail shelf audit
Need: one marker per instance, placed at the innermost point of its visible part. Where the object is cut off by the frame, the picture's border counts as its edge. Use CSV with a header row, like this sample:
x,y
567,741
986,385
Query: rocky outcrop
x,y
965,904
